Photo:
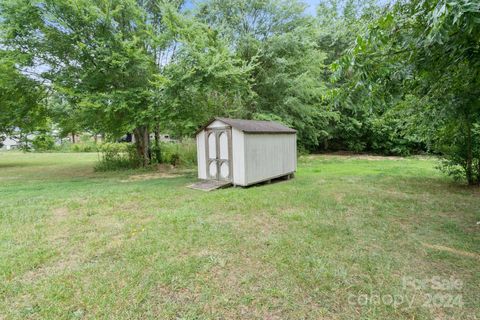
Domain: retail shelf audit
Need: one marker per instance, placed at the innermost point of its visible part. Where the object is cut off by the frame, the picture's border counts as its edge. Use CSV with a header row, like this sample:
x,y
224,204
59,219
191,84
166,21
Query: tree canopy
x,y
423,56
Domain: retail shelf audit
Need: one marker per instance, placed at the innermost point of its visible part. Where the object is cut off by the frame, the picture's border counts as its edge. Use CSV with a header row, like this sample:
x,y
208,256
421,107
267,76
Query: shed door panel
x,y
224,170
219,163
212,169
212,145
223,144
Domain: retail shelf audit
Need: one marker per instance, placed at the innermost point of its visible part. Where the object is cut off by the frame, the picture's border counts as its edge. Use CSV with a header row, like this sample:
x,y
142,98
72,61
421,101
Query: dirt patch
x,y
68,263
260,225
167,300
58,233
397,194
338,197
150,176
452,250
60,214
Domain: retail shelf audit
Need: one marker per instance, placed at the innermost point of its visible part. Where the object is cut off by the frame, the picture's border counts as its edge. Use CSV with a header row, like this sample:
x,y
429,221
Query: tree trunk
x,y
73,137
141,144
469,160
158,151
478,172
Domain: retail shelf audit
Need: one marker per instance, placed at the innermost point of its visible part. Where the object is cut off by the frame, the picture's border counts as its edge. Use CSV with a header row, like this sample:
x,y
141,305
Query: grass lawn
x,y
343,240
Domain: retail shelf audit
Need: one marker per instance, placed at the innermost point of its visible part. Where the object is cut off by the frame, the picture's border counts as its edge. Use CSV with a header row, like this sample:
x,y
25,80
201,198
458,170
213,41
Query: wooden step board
x,y
209,185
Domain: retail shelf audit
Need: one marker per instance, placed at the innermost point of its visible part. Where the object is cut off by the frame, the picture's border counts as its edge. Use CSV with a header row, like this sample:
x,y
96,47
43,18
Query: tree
x,y
118,66
430,50
94,52
277,39
204,80
22,99
362,123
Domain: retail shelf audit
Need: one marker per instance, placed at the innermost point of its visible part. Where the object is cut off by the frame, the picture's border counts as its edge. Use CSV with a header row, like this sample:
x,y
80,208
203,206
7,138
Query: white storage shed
x,y
245,152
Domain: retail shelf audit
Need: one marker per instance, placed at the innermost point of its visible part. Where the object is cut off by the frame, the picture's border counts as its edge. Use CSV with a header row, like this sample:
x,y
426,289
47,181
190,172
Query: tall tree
x,y
204,80
94,52
22,99
359,125
108,59
429,49
277,38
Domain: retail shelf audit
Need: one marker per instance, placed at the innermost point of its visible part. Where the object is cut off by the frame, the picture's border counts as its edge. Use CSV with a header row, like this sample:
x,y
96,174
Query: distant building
x,y
9,144
131,138
16,140
163,137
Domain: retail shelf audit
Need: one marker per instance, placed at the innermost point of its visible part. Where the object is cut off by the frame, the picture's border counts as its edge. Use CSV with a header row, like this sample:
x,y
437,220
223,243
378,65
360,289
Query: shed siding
x,y
268,156
238,155
217,124
201,157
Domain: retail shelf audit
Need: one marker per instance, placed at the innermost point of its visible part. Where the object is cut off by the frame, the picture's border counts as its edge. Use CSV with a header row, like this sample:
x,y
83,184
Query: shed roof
x,y
254,126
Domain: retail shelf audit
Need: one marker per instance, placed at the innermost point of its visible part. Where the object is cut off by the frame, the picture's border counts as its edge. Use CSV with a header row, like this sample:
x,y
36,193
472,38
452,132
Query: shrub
x,y
459,145
183,153
115,156
85,147
67,146
43,142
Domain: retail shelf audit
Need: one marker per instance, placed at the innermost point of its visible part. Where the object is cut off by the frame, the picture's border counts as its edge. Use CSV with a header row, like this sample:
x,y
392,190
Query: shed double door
x,y
219,154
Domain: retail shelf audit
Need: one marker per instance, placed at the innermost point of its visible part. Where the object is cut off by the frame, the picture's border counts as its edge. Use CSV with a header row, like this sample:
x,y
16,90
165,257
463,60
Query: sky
x,y
312,6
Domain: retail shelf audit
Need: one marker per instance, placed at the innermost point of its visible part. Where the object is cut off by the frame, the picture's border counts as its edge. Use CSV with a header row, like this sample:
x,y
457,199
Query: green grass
x,y
78,244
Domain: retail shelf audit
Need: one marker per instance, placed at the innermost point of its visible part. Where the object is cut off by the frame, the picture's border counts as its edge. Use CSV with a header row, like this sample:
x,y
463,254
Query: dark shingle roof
x,y
257,126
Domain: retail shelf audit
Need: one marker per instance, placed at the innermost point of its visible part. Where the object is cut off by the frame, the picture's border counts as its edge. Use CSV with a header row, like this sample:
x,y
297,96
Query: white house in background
x,y
245,152
13,141
9,144
164,137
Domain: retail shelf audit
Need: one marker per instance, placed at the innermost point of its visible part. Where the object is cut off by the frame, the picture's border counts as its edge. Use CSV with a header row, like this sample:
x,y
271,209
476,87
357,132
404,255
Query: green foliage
x,y
277,40
116,156
86,146
428,49
125,66
358,125
43,142
204,80
395,132
21,98
460,145
183,153
100,59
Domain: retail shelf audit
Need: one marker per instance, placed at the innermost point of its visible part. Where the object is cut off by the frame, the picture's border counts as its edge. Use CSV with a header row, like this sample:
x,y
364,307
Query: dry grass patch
x,y
150,176
452,250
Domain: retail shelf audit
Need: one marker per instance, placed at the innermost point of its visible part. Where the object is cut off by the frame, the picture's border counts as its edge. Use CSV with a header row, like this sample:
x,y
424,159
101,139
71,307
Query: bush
x,y
43,142
85,147
459,144
183,153
116,156
89,146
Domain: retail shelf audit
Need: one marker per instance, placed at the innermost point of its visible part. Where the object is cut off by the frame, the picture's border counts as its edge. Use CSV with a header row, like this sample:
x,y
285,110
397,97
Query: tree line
x,y
393,78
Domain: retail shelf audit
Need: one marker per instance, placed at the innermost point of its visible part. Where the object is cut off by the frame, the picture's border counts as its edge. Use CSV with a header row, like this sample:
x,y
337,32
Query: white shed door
x,y
219,150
